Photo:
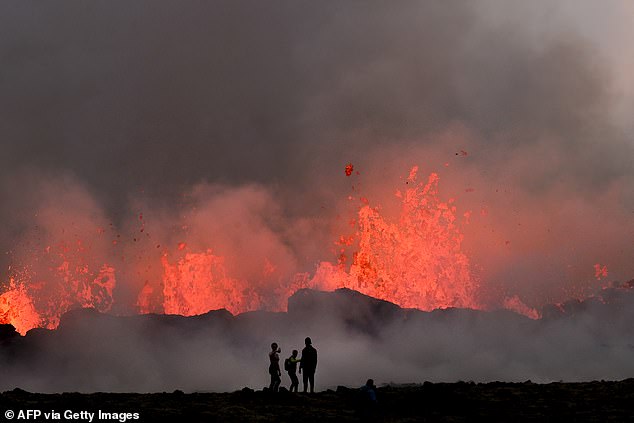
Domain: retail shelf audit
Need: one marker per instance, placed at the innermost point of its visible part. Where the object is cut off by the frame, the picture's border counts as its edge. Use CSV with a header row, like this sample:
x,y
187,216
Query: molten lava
x,y
349,169
515,304
16,308
600,271
38,295
198,283
415,261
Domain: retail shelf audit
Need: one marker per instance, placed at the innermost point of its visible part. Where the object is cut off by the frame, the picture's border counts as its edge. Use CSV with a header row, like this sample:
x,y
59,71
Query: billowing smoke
x,y
155,136
356,337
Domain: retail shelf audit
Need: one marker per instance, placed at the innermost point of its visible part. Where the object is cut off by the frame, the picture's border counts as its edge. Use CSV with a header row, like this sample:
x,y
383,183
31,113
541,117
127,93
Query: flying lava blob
x,y
348,169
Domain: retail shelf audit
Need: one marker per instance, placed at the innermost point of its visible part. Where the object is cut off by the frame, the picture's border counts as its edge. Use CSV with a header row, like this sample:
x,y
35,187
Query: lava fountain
x,y
414,260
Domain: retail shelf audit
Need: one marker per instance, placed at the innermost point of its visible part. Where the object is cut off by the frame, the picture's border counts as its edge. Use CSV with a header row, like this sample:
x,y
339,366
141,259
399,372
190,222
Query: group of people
x,y
307,364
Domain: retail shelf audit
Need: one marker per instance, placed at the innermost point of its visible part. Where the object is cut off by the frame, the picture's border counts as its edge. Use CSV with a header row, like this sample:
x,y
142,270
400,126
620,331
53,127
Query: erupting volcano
x,y
430,191
414,261
57,280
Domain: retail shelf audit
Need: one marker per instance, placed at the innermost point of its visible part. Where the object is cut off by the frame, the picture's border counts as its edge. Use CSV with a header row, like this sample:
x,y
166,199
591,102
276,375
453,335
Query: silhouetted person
x,y
368,404
309,364
290,365
274,368
369,392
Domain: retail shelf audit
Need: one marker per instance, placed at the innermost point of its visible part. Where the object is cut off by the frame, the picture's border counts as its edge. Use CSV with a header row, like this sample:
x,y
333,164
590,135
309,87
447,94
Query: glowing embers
x,y
600,271
198,283
415,261
348,169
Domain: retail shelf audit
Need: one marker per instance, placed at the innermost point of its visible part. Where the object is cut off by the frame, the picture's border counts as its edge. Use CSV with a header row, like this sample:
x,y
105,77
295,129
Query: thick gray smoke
x,y
228,125
356,338
147,100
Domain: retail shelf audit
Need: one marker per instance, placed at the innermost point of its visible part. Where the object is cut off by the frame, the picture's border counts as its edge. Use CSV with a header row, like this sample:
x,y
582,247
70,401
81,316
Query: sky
x,y
241,116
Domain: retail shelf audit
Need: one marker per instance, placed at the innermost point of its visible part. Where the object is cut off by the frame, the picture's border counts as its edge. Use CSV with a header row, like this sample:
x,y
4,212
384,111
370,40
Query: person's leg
x,y
305,379
311,378
294,382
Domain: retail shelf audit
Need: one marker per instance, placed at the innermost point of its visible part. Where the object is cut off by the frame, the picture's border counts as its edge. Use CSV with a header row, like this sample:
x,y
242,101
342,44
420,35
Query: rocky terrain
x,y
439,402
213,367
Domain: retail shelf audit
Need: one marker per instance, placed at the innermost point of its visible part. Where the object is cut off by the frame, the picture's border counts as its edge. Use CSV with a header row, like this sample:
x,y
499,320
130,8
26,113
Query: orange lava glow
x,y
415,261
515,304
37,298
600,272
349,168
198,283
16,308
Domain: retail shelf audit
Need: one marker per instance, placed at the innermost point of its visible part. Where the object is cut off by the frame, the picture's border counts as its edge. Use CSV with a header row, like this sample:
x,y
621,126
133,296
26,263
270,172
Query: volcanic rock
x,y
7,333
358,311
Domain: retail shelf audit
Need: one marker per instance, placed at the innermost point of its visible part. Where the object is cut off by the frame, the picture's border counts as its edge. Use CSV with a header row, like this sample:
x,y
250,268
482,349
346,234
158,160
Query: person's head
x,y
370,383
294,353
274,346
308,341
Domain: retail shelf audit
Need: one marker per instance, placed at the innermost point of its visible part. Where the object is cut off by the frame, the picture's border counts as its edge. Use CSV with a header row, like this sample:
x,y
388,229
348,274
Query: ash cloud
x,y
161,95
255,108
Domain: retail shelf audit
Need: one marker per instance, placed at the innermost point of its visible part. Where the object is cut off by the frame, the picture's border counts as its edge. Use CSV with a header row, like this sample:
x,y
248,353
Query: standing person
x,y
290,365
274,368
369,393
308,364
368,406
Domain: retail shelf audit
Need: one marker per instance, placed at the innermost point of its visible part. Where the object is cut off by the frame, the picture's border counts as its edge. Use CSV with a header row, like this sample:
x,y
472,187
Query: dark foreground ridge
x,y
438,402
358,337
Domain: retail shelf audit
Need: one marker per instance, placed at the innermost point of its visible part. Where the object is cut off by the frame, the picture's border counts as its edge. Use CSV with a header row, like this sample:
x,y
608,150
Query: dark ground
x,y
443,402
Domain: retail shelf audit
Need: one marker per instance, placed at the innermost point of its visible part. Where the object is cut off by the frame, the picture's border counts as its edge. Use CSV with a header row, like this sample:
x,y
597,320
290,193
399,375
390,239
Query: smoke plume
x,y
139,138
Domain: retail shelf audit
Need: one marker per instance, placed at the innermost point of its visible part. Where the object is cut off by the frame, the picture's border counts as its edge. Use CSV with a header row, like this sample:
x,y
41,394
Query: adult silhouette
x,y
274,368
308,364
